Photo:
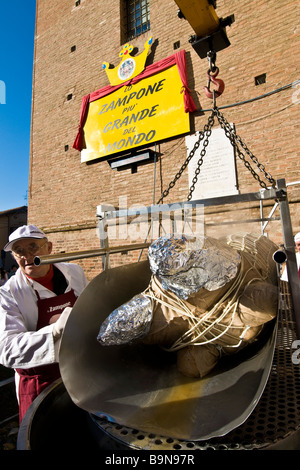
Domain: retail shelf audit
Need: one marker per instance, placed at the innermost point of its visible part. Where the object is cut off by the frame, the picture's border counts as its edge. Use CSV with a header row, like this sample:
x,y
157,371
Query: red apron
x,y
34,380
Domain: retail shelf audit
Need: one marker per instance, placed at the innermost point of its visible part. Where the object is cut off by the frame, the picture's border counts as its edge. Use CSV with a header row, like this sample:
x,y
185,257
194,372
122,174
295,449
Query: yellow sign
x,y
136,115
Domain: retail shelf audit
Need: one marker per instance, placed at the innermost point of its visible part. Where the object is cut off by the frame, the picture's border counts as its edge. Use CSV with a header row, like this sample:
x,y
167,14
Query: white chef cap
x,y
297,237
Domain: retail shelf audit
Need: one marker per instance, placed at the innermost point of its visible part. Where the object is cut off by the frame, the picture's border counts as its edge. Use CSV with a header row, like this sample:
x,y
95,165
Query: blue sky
x,y
16,66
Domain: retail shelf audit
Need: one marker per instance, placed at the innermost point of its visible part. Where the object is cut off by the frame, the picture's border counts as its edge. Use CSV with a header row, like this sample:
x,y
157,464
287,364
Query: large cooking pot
x,y
139,386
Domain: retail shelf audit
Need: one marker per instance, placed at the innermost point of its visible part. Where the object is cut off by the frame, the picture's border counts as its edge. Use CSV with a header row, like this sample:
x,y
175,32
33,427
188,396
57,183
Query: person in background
x,y
2,259
284,276
34,306
3,277
12,271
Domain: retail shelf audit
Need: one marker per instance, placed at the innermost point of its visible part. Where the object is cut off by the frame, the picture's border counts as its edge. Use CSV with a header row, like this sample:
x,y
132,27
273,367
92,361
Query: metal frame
x,y
106,213
284,377
279,194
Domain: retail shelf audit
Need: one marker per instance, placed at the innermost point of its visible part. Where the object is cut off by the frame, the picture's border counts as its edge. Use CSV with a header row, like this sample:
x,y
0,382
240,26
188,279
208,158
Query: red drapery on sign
x,y
178,59
83,115
189,105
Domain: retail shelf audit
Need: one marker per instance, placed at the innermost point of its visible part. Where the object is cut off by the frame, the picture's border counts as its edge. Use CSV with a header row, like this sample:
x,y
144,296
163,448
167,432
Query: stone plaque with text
x,y
218,172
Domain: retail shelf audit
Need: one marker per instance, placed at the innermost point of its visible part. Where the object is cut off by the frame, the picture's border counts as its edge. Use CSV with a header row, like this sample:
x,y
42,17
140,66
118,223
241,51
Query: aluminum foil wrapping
x,y
127,323
185,264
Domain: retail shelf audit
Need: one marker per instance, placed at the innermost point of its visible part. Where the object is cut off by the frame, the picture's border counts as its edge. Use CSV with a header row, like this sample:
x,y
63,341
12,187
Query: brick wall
x,y
64,193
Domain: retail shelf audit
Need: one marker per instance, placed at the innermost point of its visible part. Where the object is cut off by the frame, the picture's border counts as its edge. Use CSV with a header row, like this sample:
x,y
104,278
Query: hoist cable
x,y
240,103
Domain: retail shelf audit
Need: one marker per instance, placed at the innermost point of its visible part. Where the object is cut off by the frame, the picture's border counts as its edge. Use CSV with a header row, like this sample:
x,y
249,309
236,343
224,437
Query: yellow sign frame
x,y
135,115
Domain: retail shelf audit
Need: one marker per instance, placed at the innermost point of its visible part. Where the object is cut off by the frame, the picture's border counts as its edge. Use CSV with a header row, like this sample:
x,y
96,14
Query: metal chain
x,y
235,140
207,132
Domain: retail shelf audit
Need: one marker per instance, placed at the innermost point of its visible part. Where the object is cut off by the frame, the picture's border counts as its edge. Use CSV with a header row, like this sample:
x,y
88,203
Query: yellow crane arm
x,y
201,15
209,28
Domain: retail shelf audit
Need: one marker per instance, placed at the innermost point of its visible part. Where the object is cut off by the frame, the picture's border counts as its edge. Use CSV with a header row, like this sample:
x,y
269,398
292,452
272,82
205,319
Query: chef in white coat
x,y
34,306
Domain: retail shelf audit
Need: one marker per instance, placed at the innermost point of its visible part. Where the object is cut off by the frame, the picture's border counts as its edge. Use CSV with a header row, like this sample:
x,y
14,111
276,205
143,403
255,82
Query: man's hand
x,y
59,325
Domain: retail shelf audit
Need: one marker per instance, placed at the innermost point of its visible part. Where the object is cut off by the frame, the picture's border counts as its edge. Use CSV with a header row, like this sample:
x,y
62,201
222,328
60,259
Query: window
x,y
138,17
260,79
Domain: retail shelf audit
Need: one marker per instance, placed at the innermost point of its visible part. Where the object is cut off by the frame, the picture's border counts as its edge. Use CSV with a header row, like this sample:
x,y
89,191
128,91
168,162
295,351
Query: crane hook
x,y
216,81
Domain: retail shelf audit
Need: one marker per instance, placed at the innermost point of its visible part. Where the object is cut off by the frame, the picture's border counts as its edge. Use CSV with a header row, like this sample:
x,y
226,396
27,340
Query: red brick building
x,y
73,39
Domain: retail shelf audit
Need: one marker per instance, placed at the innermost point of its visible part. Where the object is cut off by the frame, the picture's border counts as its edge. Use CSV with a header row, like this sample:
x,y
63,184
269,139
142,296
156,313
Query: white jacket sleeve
x,y
20,348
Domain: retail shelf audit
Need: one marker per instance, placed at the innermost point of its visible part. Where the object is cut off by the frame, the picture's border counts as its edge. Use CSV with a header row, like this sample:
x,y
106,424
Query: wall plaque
x,y
218,172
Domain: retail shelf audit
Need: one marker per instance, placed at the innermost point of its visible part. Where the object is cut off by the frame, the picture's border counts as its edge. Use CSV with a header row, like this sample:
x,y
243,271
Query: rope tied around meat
x,y
222,319
203,299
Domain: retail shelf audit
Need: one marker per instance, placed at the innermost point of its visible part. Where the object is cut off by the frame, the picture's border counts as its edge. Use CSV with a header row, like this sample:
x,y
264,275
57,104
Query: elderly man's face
x,y
298,245
24,252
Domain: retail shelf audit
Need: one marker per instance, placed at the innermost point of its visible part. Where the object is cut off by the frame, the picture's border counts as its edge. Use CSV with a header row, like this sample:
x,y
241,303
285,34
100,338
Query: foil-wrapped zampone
x,y
186,264
207,297
127,323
